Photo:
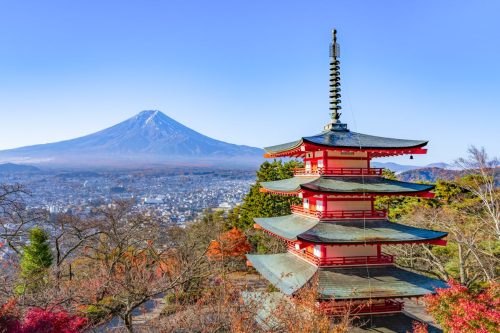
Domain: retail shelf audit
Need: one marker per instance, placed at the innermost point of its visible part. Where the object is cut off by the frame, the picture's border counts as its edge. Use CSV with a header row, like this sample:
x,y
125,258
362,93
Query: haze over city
x,y
252,73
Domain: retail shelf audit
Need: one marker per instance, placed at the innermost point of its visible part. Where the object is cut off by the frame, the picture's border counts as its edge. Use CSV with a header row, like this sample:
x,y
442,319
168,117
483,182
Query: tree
x,y
483,183
43,321
36,260
14,217
38,320
69,234
232,243
258,204
471,255
459,310
9,317
131,262
467,208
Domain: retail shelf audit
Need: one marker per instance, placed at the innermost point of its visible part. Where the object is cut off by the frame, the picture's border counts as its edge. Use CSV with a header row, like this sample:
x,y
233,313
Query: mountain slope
x,y
148,137
17,168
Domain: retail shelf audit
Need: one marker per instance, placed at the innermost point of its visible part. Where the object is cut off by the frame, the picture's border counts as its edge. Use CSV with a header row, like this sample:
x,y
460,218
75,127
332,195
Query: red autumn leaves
x,y
232,243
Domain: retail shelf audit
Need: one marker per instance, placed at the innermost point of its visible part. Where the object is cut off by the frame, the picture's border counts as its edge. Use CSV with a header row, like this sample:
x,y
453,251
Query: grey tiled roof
x,y
348,139
297,227
289,273
288,226
345,185
374,282
285,271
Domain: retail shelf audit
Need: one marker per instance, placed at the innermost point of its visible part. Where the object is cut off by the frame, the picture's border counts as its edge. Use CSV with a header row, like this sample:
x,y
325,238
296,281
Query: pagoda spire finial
x,y
335,85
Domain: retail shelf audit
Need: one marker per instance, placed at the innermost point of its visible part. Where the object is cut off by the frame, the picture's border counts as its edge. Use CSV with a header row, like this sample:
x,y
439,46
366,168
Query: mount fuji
x,y
148,138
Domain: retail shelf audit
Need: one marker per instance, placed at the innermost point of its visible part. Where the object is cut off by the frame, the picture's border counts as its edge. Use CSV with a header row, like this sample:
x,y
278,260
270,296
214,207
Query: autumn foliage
x,y
459,310
38,320
232,243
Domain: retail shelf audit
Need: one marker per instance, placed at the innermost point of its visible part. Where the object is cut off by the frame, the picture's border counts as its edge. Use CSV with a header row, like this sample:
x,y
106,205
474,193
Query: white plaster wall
x,y
333,163
348,251
349,205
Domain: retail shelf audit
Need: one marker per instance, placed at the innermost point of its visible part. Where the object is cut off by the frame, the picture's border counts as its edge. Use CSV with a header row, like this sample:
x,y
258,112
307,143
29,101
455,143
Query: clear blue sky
x,y
253,72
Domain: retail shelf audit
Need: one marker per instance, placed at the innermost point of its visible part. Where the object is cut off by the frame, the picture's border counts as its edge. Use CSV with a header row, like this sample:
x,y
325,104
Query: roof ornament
x,y
335,123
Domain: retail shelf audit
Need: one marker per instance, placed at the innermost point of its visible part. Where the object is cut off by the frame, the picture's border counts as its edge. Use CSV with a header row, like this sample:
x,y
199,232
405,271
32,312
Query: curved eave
x,y
318,189
346,185
348,141
285,271
288,186
286,227
375,242
289,273
364,185
420,144
294,227
382,282
285,149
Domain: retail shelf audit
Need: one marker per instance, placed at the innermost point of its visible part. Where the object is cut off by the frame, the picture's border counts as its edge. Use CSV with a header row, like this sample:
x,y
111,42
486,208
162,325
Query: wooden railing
x,y
344,261
340,214
387,306
338,171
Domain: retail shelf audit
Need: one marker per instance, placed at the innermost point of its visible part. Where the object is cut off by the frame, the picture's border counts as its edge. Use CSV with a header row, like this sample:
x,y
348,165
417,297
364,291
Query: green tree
x,y
258,204
36,259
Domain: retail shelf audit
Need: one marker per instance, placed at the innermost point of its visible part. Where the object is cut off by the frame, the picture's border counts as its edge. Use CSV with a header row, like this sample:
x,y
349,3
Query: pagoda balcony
x,y
338,172
336,308
339,214
383,259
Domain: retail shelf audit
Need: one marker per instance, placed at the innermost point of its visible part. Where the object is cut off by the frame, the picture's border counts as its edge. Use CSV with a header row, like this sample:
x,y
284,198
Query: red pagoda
x,y
336,235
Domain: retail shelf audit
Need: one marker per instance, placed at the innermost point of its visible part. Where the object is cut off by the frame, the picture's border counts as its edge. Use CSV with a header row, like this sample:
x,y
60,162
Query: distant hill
x,y
149,138
13,168
403,167
430,174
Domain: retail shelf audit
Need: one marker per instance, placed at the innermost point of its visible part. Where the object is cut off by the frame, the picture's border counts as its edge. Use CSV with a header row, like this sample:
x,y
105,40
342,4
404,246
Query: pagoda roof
x,y
289,273
374,282
267,303
285,271
344,185
344,138
296,227
288,226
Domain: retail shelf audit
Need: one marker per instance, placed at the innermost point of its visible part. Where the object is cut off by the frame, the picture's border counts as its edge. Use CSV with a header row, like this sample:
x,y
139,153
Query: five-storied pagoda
x,y
336,237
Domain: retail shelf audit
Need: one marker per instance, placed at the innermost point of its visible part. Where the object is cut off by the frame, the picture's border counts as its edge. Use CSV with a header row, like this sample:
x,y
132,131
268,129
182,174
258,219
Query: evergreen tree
x,y
258,204
36,259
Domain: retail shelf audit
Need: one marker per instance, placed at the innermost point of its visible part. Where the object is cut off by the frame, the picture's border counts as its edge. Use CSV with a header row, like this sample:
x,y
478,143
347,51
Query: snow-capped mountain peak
x,y
149,135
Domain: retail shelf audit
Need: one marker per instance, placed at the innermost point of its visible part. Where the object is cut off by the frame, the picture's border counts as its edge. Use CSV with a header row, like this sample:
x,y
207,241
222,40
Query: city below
x,y
177,195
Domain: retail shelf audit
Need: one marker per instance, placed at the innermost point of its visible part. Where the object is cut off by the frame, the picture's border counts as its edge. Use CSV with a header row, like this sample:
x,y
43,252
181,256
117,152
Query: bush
x,y
459,310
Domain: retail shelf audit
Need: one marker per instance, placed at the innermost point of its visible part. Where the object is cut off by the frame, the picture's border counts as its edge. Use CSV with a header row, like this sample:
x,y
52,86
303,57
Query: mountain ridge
x,y
148,137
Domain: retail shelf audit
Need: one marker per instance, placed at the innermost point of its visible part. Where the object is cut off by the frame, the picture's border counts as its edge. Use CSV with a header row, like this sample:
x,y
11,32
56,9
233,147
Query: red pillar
x,y
323,251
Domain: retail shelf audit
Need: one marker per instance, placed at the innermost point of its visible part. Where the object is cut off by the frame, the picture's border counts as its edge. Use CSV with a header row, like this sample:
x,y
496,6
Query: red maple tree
x,y
232,243
38,320
460,310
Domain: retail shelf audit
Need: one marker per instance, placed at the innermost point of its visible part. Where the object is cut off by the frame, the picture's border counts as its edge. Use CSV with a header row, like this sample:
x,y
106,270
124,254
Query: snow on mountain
x,y
148,137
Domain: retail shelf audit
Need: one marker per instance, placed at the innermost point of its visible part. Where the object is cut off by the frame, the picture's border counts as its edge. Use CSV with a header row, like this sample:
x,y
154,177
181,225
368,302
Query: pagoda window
x,y
308,166
320,164
306,203
317,251
319,205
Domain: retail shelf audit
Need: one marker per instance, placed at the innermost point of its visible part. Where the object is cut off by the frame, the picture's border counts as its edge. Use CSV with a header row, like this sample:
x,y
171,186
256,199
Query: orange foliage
x,y
232,243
